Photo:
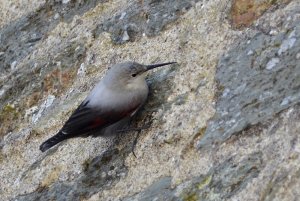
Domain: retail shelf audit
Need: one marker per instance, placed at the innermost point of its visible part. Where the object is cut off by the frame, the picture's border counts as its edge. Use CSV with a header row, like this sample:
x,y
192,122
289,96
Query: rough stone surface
x,y
97,174
254,87
244,13
224,120
143,18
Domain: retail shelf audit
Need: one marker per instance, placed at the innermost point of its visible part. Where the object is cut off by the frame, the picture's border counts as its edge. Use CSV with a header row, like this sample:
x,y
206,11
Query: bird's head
x,y
130,74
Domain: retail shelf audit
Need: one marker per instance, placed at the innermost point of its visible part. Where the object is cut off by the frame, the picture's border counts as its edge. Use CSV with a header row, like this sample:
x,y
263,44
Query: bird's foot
x,y
139,129
135,142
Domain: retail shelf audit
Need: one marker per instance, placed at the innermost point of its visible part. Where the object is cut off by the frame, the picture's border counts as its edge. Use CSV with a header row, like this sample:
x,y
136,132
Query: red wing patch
x,y
85,119
97,122
110,118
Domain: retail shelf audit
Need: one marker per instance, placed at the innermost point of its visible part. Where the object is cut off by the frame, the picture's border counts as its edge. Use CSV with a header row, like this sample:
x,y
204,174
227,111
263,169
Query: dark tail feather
x,y
53,141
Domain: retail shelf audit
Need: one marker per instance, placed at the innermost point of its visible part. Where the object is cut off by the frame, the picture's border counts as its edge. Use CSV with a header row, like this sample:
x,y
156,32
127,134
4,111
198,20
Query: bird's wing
x,y
85,118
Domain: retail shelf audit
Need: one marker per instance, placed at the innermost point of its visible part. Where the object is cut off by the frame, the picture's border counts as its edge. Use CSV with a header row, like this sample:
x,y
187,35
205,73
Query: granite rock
x,y
224,121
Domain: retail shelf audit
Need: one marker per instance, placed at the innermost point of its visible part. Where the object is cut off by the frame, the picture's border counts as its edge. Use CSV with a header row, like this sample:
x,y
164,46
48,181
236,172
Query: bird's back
x,y
102,108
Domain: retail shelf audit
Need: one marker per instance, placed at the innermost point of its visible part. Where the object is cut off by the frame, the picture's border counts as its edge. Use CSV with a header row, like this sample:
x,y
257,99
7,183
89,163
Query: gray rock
x,y
224,181
253,113
160,190
144,17
94,178
28,30
254,88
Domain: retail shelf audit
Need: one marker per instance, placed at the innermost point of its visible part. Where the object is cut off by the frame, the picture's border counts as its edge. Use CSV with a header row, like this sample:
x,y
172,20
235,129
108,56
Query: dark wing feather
x,y
85,119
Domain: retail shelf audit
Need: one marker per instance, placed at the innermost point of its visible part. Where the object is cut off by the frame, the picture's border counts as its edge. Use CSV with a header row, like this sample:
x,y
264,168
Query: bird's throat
x,y
136,84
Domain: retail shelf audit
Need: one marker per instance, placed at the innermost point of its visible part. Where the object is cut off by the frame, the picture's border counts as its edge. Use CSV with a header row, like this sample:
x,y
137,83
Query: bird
x,y
119,95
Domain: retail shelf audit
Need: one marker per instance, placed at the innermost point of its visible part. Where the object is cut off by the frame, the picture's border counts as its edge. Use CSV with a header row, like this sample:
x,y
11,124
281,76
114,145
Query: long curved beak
x,y
149,67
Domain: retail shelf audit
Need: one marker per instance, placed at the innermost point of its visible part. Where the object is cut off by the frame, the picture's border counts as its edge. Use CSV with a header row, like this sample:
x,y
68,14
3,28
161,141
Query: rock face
x,y
224,121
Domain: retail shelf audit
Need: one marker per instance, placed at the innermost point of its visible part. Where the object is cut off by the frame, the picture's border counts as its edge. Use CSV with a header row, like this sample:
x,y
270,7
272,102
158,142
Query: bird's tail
x,y
53,141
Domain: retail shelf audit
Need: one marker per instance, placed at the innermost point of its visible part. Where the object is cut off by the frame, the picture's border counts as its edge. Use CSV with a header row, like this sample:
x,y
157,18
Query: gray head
x,y
129,73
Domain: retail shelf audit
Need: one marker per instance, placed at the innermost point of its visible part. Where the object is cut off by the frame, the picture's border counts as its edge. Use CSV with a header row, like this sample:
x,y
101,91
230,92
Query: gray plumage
x,y
119,95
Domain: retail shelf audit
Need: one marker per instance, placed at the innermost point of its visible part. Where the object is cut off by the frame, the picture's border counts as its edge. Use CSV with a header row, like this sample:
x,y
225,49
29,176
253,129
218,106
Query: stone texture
x,y
254,87
245,12
143,18
97,173
224,121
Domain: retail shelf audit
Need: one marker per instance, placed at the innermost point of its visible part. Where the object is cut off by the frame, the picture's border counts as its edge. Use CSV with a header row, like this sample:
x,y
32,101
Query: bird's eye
x,y
133,75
